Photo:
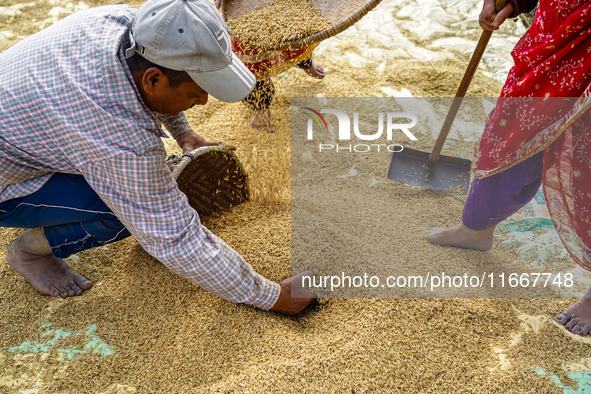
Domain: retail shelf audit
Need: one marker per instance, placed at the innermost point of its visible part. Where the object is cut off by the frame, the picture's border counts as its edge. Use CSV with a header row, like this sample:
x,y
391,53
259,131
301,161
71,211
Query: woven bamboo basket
x,y
341,14
212,178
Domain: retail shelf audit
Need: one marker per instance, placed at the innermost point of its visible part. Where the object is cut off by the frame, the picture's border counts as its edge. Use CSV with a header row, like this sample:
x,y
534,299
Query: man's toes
x,y
53,291
63,292
585,330
563,318
82,283
73,289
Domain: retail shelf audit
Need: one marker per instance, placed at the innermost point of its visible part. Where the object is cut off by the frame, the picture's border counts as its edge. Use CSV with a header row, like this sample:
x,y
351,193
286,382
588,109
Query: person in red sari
x,y
538,133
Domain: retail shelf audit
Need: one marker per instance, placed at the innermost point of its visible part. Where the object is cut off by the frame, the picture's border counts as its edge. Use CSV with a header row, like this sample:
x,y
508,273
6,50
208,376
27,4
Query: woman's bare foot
x,y
315,70
462,237
50,275
577,317
261,120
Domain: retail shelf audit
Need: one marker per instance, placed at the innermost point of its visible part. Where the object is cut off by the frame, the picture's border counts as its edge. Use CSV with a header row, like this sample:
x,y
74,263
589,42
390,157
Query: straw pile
x,y
281,21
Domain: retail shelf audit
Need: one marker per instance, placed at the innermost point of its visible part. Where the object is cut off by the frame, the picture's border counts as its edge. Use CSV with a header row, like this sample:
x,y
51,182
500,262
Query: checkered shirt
x,y
68,104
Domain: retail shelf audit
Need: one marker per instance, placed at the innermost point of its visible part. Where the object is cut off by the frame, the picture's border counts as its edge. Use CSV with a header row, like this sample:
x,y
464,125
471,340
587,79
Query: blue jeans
x,y
73,216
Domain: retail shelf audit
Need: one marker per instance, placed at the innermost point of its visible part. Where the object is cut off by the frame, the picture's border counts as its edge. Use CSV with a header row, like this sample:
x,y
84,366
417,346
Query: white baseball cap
x,y
190,36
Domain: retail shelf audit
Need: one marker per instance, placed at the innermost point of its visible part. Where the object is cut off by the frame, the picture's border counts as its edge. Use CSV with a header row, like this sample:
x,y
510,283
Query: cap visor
x,y
231,83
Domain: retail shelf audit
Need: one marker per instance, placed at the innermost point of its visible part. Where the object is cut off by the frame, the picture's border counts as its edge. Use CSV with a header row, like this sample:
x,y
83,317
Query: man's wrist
x,y
176,125
268,294
177,133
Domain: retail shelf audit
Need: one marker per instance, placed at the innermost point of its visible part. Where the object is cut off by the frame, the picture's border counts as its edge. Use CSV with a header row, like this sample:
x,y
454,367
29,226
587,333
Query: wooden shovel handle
x,y
462,89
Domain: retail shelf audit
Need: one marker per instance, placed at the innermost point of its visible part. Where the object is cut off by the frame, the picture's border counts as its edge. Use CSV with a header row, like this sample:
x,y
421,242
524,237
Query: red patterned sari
x,y
264,64
552,63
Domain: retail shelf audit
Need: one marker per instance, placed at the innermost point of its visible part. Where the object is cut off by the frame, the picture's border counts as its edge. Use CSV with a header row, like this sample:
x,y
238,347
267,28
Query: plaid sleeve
x,y
142,193
176,125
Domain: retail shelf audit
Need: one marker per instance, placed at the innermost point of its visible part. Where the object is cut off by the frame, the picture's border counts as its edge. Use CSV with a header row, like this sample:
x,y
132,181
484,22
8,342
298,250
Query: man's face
x,y
160,97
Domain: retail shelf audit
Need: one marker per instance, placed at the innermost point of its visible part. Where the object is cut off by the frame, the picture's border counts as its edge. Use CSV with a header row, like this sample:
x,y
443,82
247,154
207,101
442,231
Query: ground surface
x,y
143,329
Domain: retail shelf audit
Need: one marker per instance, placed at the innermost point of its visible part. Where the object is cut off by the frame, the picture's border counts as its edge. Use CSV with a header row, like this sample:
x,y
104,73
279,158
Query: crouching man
x,y
82,163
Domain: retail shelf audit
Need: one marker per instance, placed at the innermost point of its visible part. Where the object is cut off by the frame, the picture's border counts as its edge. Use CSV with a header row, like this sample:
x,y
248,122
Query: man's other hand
x,y
301,297
190,141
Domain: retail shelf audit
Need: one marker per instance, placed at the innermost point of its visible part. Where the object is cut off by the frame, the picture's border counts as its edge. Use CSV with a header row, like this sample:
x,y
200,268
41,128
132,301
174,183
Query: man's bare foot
x,y
462,237
315,70
261,120
50,275
577,317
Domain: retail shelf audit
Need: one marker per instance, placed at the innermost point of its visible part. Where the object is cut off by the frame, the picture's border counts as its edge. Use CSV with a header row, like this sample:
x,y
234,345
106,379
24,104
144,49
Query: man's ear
x,y
153,77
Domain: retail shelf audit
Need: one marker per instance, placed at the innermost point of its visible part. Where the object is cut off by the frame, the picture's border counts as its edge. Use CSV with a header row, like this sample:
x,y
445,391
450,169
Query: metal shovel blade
x,y
448,174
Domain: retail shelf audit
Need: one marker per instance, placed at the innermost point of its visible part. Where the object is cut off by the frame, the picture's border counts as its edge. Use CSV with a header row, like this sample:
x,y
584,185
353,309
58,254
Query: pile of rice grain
x,y
281,21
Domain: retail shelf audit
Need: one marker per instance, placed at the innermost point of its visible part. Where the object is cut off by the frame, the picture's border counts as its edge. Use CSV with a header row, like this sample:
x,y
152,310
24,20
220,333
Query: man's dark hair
x,y
138,63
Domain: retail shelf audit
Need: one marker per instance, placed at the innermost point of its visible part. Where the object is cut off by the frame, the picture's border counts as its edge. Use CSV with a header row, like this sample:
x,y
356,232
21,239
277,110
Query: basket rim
x,y
321,35
190,156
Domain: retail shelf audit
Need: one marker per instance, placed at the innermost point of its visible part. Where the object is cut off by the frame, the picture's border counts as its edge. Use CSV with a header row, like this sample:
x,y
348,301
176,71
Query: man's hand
x,y
190,141
491,20
290,306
